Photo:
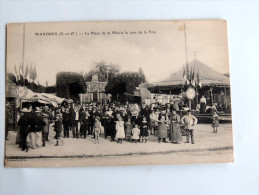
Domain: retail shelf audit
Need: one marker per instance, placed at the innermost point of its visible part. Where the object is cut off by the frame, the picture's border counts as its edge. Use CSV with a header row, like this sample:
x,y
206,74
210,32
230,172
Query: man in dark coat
x,y
39,125
85,122
71,114
72,121
65,116
24,124
145,111
106,124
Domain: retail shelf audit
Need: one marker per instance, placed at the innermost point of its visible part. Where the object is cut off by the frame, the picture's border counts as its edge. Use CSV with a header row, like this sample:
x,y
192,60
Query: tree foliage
x,y
108,70
125,82
69,85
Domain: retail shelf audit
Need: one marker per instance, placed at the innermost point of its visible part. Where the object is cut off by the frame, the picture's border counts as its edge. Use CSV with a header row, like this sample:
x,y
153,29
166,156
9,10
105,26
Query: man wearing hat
x,y
24,124
189,121
106,123
71,116
40,124
65,116
145,111
84,122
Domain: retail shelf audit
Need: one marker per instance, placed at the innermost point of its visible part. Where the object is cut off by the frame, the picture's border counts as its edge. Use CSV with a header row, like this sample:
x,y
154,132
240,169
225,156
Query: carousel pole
x,y
187,73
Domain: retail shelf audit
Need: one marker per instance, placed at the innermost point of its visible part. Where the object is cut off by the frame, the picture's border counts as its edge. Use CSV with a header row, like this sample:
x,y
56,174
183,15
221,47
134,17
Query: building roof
x,y
208,77
101,77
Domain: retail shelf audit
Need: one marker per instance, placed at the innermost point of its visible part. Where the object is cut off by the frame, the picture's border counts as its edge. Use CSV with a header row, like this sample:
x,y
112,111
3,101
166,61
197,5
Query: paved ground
x,y
223,156
205,140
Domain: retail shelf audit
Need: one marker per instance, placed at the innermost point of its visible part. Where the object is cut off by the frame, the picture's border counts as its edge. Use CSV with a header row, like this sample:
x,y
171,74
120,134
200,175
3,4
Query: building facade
x,y
96,83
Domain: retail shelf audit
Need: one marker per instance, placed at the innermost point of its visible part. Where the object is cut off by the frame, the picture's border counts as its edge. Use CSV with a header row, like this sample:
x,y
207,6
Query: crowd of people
x,y
119,122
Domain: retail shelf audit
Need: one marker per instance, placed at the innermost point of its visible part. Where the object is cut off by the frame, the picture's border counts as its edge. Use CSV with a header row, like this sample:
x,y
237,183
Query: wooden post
x,y
225,92
197,98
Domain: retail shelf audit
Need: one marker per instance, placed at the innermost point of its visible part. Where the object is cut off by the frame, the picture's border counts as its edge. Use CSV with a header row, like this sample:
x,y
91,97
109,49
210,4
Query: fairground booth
x,y
18,97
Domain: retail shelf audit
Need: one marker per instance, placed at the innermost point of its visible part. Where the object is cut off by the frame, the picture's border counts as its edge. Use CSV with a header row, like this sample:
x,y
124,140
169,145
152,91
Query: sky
x,y
159,51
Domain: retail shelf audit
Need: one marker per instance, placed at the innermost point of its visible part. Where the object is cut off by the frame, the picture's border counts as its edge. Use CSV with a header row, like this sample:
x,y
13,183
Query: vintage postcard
x,y
117,93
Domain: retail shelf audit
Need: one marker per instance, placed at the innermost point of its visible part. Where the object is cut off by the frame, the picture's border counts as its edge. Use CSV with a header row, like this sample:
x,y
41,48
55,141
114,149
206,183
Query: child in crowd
x,y
135,133
144,130
153,121
215,122
120,134
97,129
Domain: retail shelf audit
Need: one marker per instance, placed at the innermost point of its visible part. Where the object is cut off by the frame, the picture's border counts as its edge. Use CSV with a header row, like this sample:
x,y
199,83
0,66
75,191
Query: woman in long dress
x,y
128,129
175,134
162,127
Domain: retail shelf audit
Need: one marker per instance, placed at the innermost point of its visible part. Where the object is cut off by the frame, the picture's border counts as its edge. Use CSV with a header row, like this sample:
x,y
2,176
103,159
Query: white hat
x,y
25,110
38,109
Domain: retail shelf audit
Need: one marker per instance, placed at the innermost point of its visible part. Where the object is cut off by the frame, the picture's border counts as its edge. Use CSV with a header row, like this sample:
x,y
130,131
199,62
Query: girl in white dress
x,y
135,133
120,133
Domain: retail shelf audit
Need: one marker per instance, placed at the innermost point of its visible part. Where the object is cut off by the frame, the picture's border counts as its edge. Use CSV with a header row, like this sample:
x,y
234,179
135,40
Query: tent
x,y
27,95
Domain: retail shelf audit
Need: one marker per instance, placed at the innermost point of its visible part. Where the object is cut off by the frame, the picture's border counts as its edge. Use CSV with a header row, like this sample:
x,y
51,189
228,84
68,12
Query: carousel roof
x,y
208,77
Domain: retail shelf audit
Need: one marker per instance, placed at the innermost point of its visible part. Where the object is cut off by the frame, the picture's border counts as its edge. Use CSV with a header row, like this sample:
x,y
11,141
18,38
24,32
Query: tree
x,y
142,76
125,82
108,70
69,85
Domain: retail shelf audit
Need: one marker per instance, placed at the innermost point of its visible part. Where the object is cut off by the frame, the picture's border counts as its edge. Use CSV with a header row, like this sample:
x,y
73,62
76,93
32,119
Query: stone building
x,y
96,83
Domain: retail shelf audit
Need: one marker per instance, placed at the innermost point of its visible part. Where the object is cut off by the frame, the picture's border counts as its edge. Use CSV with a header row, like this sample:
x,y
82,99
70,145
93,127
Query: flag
x,y
20,71
184,76
187,69
193,83
16,73
198,79
200,84
193,73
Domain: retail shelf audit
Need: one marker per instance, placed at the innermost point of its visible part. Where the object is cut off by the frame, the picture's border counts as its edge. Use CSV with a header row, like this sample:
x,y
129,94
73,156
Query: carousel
x,y
200,88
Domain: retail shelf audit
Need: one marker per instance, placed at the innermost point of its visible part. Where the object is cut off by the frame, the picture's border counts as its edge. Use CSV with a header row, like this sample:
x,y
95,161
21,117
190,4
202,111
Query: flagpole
x,y
23,51
187,71
185,44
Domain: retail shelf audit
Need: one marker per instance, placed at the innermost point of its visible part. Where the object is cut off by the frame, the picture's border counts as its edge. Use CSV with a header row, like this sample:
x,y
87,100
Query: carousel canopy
x,y
208,77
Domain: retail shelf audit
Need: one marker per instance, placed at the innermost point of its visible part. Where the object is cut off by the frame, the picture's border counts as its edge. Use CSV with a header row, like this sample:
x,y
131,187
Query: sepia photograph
x,y
117,93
